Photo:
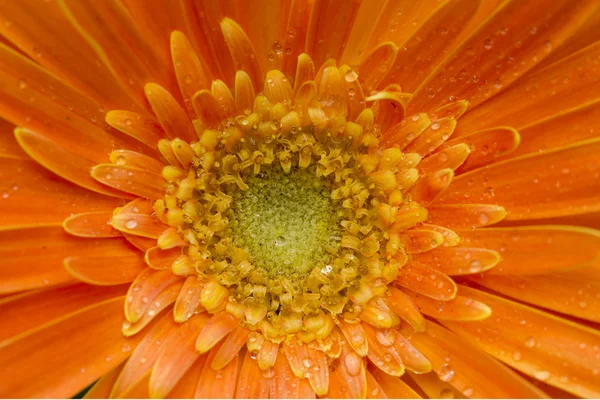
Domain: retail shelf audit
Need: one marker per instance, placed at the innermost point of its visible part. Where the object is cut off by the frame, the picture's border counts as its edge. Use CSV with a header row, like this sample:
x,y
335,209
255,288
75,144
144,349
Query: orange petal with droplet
x,y
158,258
267,355
244,92
142,128
188,69
144,289
91,224
382,353
465,215
407,130
427,281
459,260
538,250
217,384
188,301
144,355
136,181
296,352
451,238
277,88
230,348
403,306
376,65
216,329
251,381
242,51
138,224
176,357
136,160
433,137
105,270
461,364
391,386
554,350
356,337
169,113
486,146
461,308
572,293
452,157
429,187
94,331
470,74
419,241
285,385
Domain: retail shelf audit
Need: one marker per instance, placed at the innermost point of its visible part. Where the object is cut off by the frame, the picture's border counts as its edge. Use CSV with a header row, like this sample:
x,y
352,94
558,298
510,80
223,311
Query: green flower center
x,y
287,223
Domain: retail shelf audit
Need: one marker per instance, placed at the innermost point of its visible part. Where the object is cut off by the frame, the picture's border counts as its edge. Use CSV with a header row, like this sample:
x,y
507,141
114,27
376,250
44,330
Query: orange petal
x,y
139,224
103,387
94,331
428,46
242,51
390,386
412,358
90,225
37,33
208,109
356,337
267,355
326,36
471,74
144,356
419,241
376,65
450,237
216,329
433,137
382,353
131,58
550,91
188,301
466,215
277,88
559,182
33,256
230,348
9,147
538,250
140,182
374,390
407,130
136,160
45,197
451,157
403,306
317,371
187,385
429,187
70,166
169,113
459,260
148,284
487,146
163,300
556,351
434,387
351,374
143,128
217,384
251,381
305,71
25,313
285,385
461,308
388,109
158,258
244,92
573,293
427,281
296,353
188,68
176,356
38,101
107,270
141,243
224,97
464,366
549,133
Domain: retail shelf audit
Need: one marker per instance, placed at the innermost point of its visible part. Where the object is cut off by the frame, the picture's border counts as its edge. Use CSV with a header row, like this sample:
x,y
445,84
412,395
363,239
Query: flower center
x,y
286,222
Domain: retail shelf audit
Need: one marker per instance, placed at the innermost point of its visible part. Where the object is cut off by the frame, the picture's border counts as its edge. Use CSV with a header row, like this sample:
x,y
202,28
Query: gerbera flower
x,y
300,199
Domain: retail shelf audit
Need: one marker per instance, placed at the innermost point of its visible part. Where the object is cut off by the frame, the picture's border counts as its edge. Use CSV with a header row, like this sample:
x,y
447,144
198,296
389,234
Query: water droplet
x,y
446,394
468,392
435,126
143,360
351,76
131,224
127,121
530,342
542,375
22,84
517,356
483,218
108,176
120,160
446,373
353,363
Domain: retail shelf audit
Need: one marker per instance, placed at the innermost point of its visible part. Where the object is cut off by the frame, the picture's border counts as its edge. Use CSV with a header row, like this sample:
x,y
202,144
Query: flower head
x,y
296,199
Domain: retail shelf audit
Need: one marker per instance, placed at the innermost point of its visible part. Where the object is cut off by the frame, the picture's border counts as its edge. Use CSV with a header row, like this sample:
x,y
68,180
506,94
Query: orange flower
x,y
294,199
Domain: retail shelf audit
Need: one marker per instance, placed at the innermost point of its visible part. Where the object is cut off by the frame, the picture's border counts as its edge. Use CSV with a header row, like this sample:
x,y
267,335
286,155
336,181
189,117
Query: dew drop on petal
x,y
446,373
541,375
131,224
